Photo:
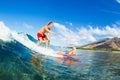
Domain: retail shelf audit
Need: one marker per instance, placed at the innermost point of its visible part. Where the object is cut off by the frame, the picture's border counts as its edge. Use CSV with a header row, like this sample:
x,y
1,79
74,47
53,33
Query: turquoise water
x,y
20,63
91,66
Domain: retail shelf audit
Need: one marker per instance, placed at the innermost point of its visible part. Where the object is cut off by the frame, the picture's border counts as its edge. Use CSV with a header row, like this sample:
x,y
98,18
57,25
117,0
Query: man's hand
x,y
54,33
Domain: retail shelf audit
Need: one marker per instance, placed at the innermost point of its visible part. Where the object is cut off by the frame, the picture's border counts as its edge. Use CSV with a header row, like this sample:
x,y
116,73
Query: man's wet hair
x,y
50,23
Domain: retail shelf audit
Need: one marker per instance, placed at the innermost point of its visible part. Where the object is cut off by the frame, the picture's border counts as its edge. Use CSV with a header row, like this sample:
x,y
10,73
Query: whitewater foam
x,y
8,35
5,32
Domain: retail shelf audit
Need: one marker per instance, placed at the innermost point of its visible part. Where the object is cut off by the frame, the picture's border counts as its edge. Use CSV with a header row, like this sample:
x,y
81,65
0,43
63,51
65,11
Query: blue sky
x,y
83,12
30,15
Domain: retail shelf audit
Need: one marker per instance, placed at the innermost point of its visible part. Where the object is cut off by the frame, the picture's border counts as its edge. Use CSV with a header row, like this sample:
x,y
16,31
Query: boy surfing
x,y
42,36
72,51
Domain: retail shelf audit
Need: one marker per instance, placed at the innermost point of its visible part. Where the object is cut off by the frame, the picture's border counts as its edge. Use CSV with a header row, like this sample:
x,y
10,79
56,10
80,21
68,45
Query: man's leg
x,y
47,42
39,41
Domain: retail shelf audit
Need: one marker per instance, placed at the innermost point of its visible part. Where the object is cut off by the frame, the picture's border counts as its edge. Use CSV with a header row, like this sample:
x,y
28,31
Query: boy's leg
x,y
39,41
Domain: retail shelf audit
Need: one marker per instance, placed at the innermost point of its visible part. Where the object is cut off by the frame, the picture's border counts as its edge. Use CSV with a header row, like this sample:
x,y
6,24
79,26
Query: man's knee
x,y
40,39
47,40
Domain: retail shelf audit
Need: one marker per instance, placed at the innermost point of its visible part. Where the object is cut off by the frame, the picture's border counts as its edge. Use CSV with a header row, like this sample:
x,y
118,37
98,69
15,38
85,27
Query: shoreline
x,y
97,49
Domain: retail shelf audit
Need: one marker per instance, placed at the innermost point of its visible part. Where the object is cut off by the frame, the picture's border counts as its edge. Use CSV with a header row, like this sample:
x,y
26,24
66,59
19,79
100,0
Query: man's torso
x,y
43,30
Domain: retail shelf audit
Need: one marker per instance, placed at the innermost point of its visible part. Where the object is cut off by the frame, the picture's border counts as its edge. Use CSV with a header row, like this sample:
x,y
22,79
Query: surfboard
x,y
72,54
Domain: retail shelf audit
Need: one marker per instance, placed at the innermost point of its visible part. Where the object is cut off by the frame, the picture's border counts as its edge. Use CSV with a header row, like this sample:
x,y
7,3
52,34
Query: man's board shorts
x,y
39,35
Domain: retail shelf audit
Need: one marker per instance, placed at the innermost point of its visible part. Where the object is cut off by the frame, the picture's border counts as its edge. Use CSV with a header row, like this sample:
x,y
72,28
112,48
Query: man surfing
x,y
42,36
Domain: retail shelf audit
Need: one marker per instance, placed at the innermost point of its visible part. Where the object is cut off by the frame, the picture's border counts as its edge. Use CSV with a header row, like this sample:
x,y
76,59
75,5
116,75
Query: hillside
x,y
106,44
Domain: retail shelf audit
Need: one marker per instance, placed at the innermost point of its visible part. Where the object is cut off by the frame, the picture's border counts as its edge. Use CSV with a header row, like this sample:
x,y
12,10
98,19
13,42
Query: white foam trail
x,y
8,35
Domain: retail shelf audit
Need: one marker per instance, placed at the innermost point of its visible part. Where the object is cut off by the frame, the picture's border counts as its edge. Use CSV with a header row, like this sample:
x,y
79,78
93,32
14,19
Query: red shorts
x,y
39,35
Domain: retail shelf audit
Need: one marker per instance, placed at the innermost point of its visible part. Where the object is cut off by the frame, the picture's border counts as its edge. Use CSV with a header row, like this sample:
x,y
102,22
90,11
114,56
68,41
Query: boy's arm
x,y
72,52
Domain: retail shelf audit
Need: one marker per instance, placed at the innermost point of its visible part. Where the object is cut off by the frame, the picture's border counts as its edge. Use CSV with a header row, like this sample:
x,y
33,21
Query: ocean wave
x,y
8,35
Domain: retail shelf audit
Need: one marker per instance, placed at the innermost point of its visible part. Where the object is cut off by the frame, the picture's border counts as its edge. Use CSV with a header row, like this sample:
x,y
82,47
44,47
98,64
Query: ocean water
x,y
21,59
18,62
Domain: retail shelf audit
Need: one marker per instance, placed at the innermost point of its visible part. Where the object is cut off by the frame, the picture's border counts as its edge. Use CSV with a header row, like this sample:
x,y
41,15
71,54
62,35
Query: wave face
x,y
14,63
17,61
7,35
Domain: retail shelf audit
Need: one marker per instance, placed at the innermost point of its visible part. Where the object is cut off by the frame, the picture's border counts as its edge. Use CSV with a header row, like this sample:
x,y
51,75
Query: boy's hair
x,y
50,23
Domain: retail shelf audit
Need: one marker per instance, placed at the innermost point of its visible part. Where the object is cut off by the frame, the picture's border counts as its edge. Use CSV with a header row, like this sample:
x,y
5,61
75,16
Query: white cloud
x,y
28,26
85,35
70,37
71,24
118,1
107,31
